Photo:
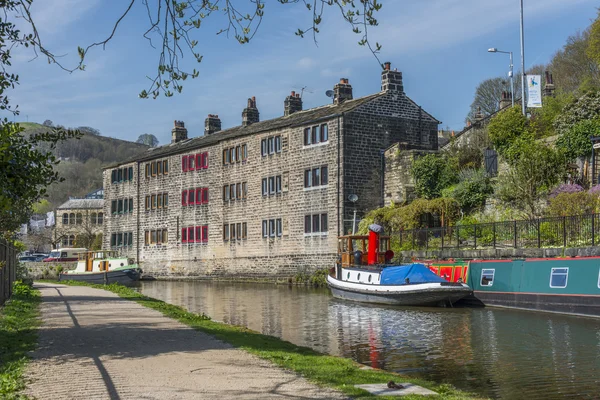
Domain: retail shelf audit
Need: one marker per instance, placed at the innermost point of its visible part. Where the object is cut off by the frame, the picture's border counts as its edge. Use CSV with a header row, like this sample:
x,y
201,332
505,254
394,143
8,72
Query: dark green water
x,y
498,353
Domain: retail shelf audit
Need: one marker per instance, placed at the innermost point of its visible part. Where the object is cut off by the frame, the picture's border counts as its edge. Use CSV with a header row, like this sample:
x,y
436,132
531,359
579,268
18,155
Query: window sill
x,y
308,146
307,189
317,234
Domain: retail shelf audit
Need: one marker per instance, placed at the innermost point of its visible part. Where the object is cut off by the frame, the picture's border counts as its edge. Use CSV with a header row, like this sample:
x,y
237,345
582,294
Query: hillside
x,y
82,161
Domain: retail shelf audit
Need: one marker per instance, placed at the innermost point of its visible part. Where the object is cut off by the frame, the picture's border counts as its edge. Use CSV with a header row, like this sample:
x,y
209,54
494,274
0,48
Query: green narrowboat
x,y
564,285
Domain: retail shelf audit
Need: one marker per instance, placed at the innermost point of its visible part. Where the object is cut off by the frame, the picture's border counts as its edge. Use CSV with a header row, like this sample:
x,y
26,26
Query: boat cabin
x,y
361,250
100,261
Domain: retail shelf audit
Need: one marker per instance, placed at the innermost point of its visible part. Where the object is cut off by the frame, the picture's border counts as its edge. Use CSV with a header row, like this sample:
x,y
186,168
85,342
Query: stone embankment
x,y
47,270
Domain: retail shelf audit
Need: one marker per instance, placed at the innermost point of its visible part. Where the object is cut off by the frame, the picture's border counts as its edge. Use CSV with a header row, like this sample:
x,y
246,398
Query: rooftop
x,y
82,204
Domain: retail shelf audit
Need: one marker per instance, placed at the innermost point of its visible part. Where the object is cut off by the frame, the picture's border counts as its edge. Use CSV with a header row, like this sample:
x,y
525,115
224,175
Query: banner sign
x,y
534,91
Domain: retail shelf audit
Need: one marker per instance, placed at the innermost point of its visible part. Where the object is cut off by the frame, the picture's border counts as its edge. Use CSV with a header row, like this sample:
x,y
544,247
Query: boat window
x,y
598,279
358,277
558,277
369,278
348,276
487,277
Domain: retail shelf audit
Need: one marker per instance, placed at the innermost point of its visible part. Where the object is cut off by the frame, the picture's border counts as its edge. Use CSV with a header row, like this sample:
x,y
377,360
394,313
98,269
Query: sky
x,y
439,45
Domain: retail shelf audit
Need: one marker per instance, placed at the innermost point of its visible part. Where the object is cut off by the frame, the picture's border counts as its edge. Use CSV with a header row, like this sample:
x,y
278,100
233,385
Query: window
x,y
225,157
153,168
72,217
154,202
307,141
324,227
120,206
165,200
598,279
131,204
263,147
307,224
316,223
147,202
487,277
184,238
265,229
159,167
120,175
559,277
245,233
271,228
199,163
271,143
205,160
65,217
324,133
184,197
277,144
190,201
238,154
232,155
278,184
226,232
205,234
324,175
190,237
244,152
204,195
307,178
278,227
165,236
153,237
113,176
226,193
244,190
265,190
315,136
100,218
184,163
198,196
272,185
165,167
238,191
113,240
191,163
147,170
160,200
316,177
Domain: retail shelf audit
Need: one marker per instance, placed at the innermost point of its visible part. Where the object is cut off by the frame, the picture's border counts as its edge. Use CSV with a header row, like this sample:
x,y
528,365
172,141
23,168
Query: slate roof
x,y
74,204
296,119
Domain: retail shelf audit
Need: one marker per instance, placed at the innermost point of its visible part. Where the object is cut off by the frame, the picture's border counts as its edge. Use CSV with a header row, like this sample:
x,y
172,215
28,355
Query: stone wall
x,y
36,269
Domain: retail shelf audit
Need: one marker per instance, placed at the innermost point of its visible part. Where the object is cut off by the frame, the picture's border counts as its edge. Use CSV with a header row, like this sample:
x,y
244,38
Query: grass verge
x,y
18,336
335,372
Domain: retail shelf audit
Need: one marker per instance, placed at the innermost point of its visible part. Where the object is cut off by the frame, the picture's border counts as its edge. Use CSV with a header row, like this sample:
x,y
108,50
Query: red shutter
x,y
191,163
190,234
184,198
198,196
198,234
205,234
204,195
184,163
183,235
205,160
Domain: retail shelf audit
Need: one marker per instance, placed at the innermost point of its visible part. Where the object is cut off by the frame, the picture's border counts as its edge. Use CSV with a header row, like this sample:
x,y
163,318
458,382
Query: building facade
x,y
266,198
78,222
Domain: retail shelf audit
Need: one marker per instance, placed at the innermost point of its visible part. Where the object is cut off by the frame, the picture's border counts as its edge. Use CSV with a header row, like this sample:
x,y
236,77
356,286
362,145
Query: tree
x,y
488,95
505,128
535,170
173,22
575,142
48,123
432,173
584,107
572,67
147,139
473,189
89,130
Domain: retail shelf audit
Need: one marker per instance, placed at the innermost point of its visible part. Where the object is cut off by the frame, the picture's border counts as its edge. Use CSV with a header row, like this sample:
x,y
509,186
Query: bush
x,y
432,173
565,204
565,188
575,141
473,190
595,190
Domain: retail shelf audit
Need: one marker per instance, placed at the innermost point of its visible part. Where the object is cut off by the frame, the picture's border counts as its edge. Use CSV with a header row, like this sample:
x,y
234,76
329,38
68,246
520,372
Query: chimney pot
x,y
342,91
178,133
387,65
293,93
212,124
391,81
292,104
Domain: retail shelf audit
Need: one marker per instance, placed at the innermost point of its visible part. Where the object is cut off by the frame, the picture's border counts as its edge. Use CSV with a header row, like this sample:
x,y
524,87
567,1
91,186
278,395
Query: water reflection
x,y
494,352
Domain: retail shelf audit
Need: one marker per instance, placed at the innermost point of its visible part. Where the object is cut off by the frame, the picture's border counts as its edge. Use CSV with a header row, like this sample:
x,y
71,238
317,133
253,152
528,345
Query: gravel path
x,y
95,345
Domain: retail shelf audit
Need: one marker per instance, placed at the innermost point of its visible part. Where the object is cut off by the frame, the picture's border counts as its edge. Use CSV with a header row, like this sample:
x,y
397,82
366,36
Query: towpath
x,y
95,345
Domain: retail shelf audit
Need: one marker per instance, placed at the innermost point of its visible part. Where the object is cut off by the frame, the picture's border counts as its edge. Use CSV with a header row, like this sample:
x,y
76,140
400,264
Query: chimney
x,y
212,124
178,133
342,92
250,114
292,104
391,81
506,100
478,116
549,86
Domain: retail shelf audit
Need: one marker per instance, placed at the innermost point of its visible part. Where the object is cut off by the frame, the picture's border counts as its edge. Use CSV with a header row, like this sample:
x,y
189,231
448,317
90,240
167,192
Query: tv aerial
x,y
303,89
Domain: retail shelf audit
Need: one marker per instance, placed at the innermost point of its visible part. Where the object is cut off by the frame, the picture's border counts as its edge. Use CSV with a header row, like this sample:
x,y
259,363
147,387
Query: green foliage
x,y
474,188
18,336
575,141
432,173
316,279
566,204
336,372
505,128
542,119
148,140
97,243
584,107
42,207
535,170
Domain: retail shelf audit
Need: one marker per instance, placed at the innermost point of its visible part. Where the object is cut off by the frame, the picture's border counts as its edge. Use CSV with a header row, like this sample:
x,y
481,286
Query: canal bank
x,y
118,346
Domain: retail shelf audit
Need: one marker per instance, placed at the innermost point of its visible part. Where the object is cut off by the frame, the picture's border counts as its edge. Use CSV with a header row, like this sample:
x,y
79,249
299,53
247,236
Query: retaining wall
x,y
487,254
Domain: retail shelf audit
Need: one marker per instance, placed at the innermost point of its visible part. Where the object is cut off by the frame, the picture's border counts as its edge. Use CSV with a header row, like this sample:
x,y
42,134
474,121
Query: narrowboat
x,y
563,285
363,273
103,267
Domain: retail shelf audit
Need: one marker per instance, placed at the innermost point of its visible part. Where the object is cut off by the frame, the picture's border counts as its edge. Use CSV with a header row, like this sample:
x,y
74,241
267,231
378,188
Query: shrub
x,y
565,204
473,190
595,190
566,188
432,173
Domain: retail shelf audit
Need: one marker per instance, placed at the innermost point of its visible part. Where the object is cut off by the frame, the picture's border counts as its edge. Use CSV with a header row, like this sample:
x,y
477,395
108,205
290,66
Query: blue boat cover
x,y
416,273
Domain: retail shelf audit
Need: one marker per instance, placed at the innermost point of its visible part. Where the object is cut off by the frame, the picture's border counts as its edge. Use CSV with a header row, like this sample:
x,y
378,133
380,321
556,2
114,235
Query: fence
x,y
8,268
573,231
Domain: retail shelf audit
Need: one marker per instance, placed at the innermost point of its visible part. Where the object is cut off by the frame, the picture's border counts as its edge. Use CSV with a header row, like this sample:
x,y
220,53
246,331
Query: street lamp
x,y
522,65
510,72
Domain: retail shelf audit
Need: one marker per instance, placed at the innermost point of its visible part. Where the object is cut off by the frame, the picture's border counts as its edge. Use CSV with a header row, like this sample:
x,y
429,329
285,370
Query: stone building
x,y
78,221
266,198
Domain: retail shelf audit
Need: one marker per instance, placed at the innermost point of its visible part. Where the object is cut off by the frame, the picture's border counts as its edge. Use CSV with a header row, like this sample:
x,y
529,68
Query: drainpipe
x,y
382,153
339,134
137,239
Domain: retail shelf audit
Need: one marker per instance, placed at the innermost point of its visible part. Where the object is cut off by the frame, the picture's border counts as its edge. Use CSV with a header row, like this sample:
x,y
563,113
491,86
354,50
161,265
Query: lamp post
x,y
510,72
522,65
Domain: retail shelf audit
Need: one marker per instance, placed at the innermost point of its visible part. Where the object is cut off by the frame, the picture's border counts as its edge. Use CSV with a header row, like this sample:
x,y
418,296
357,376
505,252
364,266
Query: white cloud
x,y
51,16
306,63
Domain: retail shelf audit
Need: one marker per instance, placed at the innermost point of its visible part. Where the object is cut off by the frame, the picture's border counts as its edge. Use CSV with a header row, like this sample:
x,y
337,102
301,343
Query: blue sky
x,y
439,45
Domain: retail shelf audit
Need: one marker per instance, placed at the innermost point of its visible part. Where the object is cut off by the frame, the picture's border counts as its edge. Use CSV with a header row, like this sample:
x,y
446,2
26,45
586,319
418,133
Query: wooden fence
x,y
8,270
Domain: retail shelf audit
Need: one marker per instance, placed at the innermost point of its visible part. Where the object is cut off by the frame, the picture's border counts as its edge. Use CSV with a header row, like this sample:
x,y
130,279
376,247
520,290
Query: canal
x,y
499,353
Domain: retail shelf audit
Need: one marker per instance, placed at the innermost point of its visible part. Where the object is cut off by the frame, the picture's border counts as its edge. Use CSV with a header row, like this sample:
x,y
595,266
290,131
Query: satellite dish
x,y
329,93
353,198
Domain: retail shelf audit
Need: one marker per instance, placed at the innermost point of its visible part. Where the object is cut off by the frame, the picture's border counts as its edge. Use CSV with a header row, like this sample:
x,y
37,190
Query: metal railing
x,y
8,269
572,231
